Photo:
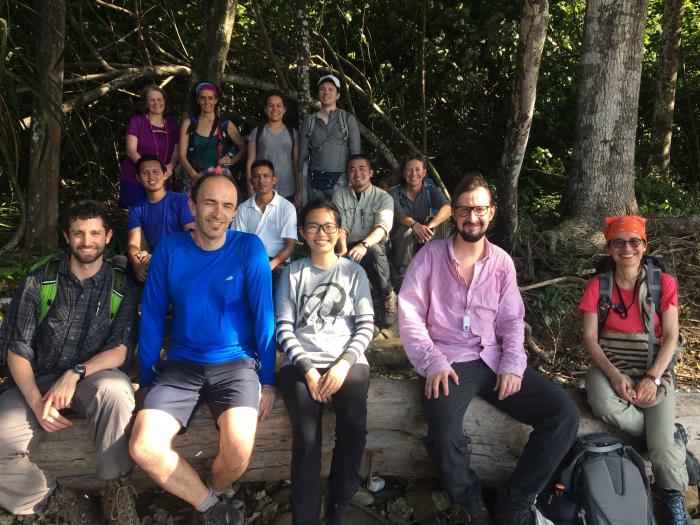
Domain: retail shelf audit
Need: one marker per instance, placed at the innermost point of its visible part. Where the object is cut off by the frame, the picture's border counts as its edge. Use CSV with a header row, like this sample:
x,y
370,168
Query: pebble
x,y
363,497
441,500
399,511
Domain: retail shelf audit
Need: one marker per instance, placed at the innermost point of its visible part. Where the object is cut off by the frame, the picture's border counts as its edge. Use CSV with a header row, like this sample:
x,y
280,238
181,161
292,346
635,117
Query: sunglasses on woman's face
x,y
619,244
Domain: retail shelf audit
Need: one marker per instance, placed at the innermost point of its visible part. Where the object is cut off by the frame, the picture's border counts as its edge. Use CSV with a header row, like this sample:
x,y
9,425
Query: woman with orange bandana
x,y
622,388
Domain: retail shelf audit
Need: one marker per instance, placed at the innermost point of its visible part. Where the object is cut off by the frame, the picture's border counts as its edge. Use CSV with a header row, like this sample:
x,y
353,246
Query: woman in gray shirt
x,y
279,143
324,322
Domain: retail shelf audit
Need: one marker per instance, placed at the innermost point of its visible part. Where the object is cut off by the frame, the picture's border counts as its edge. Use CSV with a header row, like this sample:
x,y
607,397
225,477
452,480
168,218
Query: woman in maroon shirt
x,y
148,133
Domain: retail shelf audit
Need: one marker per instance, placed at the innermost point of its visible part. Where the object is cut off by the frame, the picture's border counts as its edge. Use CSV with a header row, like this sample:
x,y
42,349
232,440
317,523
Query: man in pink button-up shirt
x,y
461,323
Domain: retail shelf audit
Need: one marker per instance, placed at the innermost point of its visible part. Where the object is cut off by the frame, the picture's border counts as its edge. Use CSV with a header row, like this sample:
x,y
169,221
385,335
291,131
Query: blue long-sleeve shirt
x,y
222,304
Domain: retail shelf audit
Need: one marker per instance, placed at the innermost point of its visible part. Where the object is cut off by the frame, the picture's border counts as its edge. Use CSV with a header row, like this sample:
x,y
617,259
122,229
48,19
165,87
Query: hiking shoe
x,y
71,508
389,313
222,513
516,517
477,514
674,505
119,502
691,462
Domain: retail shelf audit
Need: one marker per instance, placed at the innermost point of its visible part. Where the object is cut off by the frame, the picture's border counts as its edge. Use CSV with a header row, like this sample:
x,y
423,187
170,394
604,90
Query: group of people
x,y
383,232
71,332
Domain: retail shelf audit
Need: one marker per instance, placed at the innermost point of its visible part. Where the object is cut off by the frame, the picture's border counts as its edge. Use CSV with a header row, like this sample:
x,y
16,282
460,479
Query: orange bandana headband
x,y
625,223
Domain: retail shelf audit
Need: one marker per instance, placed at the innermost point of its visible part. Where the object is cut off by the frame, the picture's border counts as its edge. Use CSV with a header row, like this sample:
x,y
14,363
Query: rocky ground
x,y
400,502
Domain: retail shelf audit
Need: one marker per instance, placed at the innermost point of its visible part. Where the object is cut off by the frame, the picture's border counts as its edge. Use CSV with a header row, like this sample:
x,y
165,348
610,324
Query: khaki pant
x,y
404,244
655,421
106,399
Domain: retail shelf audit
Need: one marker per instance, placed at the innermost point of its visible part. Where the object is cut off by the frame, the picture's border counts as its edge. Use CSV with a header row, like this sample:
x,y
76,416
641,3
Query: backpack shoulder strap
x,y
605,284
118,290
49,288
653,300
259,132
290,130
343,118
311,125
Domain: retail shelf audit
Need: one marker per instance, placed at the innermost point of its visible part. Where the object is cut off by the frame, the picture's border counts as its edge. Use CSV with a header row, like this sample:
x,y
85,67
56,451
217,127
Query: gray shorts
x,y
180,387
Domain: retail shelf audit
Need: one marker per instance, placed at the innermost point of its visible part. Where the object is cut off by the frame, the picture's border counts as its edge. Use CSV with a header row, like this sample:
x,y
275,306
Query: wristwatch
x,y
656,380
363,243
80,370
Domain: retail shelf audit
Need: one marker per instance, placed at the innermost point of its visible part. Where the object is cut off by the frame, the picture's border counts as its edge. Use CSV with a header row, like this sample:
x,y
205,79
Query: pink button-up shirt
x,y
433,302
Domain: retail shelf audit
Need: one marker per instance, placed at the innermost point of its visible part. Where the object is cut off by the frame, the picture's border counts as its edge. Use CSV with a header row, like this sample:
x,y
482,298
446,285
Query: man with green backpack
x,y
68,336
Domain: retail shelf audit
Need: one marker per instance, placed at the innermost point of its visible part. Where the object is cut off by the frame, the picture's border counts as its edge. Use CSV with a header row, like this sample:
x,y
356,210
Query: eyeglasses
x,y
466,211
619,244
329,227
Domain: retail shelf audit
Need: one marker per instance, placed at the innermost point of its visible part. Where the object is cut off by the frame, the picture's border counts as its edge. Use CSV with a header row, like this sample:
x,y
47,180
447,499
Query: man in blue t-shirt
x,y
161,213
221,350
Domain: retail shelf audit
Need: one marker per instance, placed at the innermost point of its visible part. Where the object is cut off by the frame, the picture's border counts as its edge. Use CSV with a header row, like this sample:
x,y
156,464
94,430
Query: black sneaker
x,y
222,513
691,462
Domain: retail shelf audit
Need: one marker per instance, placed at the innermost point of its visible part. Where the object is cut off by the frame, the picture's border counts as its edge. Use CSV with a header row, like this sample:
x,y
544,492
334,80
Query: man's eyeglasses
x,y
329,227
619,244
466,211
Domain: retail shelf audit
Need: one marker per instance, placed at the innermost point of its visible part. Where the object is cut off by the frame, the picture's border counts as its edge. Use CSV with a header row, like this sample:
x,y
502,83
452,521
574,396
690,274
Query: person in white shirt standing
x,y
269,216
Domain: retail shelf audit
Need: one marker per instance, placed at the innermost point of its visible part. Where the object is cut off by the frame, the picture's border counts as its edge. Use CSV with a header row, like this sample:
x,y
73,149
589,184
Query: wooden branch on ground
x,y
396,425
557,280
533,346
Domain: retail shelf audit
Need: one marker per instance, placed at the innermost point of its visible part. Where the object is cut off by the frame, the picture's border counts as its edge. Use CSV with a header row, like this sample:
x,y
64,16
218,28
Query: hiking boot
x,y
691,462
71,508
389,311
516,517
477,514
222,513
674,505
119,502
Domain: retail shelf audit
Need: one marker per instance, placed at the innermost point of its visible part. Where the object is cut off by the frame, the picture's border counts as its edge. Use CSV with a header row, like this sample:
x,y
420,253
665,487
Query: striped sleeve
x,y
364,332
291,346
285,318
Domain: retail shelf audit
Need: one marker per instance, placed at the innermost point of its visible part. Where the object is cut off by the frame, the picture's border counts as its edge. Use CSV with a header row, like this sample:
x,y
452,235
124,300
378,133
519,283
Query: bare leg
x,y
151,446
236,439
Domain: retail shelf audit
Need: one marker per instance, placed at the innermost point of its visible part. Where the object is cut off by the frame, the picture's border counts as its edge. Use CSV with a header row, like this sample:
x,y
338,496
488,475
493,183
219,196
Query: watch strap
x,y
656,380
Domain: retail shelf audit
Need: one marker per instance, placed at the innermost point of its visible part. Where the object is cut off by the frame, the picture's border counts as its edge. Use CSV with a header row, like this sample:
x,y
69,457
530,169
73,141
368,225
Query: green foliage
x,y
666,194
554,303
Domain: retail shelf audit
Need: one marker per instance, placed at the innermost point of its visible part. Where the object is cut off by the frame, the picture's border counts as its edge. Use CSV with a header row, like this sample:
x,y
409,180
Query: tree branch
x,y
127,77
281,76
78,26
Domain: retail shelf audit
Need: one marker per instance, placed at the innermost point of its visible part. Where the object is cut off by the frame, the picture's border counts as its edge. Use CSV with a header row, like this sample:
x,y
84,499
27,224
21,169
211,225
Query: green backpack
x,y
49,289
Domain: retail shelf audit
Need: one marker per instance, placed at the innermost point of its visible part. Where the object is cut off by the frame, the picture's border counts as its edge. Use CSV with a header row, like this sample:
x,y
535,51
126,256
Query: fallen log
x,y
394,446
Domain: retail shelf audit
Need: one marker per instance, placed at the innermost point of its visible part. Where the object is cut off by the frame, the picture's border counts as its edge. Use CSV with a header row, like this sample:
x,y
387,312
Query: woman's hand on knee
x,y
623,387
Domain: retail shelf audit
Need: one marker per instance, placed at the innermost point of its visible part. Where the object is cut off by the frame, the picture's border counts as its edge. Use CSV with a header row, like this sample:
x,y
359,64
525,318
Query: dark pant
x,y
539,403
376,264
350,406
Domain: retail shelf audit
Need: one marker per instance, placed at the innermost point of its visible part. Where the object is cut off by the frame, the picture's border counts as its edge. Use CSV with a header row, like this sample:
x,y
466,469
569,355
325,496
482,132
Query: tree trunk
x,y
533,31
660,156
395,428
45,147
219,18
602,171
303,56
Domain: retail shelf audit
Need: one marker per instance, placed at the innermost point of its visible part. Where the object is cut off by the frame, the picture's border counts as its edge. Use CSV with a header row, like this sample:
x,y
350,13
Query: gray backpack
x,y
602,481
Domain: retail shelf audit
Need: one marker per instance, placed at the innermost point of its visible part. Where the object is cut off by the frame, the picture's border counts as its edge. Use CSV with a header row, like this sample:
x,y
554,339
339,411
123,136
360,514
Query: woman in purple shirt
x,y
148,133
